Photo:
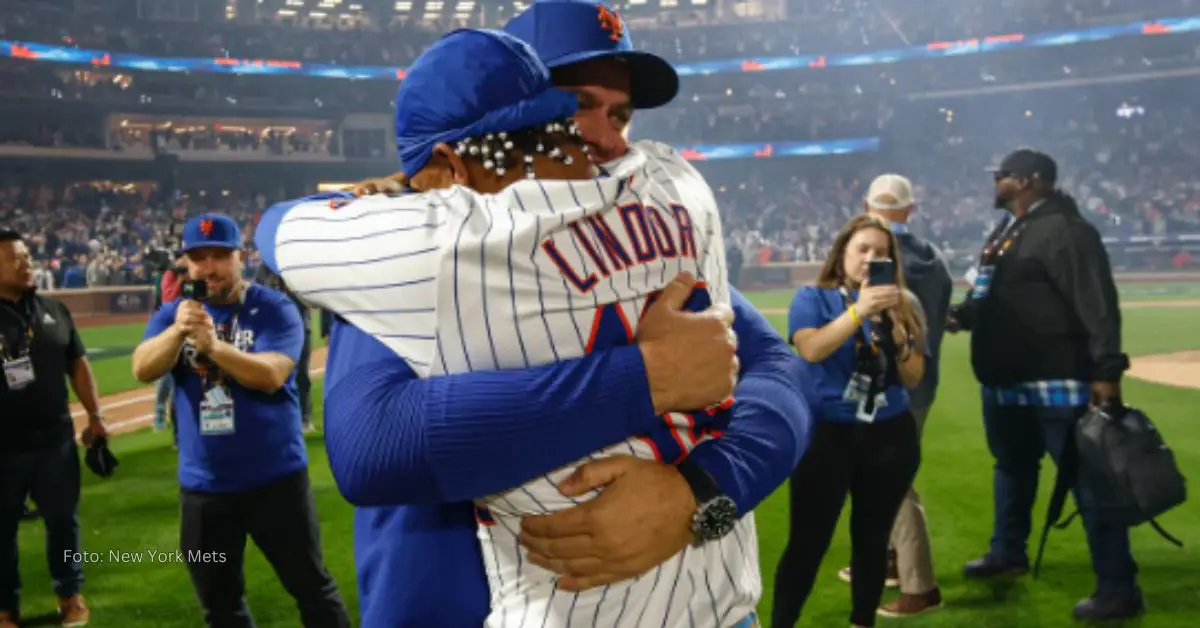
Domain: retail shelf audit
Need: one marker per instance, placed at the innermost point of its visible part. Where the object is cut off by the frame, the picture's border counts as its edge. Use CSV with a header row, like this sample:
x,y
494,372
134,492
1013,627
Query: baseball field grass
x,y
136,512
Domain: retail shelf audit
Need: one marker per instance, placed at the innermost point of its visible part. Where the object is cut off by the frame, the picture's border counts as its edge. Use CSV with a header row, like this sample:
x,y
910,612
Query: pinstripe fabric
x,y
465,282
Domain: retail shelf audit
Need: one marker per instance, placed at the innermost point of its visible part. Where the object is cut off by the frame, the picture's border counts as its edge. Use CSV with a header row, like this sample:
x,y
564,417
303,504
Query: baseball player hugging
x,y
510,253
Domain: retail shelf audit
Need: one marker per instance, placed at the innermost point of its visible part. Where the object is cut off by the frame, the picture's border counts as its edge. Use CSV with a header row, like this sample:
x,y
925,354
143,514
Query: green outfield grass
x,y
138,509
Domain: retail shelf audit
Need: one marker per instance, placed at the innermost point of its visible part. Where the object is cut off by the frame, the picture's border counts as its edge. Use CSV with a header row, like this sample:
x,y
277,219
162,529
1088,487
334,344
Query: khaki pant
x,y
910,537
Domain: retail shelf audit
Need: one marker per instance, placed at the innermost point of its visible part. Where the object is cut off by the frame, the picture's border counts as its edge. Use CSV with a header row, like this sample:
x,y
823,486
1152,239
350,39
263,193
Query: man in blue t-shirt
x,y
231,347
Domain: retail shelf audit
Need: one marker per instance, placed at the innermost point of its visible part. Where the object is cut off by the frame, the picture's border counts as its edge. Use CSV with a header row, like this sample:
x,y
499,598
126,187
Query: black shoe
x,y
1123,606
990,567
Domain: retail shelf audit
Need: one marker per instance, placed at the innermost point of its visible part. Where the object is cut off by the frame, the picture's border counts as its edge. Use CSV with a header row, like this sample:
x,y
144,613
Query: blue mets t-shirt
x,y
266,441
814,308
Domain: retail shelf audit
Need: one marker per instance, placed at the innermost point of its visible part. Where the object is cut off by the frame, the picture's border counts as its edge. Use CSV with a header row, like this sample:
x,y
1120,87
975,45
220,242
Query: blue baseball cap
x,y
569,31
216,231
469,83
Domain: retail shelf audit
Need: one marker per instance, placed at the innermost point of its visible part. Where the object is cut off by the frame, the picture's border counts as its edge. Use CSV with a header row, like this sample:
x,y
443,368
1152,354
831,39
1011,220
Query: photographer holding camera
x,y
231,348
861,334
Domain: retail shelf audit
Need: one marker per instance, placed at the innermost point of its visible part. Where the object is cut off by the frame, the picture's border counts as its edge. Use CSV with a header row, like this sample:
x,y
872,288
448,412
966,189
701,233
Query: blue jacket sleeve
x,y
396,439
772,421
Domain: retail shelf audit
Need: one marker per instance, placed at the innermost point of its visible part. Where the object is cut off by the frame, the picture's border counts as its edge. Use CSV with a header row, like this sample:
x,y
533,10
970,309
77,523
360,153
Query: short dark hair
x,y
9,235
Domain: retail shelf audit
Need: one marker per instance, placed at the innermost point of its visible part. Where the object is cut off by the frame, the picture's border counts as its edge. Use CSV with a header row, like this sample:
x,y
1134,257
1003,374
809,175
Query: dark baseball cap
x,y
499,86
564,32
211,231
1027,163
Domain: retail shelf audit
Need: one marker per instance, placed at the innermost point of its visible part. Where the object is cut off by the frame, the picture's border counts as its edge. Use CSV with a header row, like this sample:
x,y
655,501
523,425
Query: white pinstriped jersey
x,y
454,281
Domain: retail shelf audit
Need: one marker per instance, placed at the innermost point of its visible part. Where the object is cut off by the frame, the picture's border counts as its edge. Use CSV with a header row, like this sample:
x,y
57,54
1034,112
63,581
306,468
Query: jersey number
x,y
679,432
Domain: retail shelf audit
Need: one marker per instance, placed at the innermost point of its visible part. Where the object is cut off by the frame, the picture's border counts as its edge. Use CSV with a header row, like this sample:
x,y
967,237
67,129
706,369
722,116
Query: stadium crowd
x,y
1129,173
814,26
95,235
1124,169
1129,176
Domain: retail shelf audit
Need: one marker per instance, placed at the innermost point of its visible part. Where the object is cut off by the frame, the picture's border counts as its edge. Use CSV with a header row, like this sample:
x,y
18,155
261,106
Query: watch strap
x,y
704,487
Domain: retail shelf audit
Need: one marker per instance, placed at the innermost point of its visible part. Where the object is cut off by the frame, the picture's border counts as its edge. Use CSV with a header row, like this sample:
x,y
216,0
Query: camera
x,y
194,289
156,260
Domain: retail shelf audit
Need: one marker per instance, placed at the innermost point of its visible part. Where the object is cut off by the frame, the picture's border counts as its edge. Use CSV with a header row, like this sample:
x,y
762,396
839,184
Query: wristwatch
x,y
716,513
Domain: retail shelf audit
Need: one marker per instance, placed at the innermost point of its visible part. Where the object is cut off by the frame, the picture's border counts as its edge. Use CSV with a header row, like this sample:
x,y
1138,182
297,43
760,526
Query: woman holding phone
x,y
862,337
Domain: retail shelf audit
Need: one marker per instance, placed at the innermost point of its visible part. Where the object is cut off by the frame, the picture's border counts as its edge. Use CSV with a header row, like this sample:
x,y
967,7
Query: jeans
x,y
51,476
1019,437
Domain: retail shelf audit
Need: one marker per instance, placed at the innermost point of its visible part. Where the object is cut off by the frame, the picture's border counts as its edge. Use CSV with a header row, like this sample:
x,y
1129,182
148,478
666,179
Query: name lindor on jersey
x,y
445,280
650,235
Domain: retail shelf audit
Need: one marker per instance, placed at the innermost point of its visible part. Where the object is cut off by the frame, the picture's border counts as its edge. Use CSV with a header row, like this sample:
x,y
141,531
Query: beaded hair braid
x,y
495,149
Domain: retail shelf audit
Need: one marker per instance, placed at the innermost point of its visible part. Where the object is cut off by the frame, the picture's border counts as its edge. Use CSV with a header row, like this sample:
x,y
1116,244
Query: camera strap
x,y
871,361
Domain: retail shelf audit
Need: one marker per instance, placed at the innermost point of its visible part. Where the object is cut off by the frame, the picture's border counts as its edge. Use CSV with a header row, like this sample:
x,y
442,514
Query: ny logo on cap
x,y
610,21
206,226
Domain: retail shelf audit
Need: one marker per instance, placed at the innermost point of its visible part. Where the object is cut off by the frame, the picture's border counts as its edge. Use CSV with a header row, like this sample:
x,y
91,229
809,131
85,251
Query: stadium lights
x,y
431,17
632,2
403,5
318,14
699,2
465,6
434,5
355,7
295,3
668,3
286,13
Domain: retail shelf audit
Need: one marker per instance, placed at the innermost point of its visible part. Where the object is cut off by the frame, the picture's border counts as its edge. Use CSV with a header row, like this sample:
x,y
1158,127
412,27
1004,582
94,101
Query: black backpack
x,y
1132,471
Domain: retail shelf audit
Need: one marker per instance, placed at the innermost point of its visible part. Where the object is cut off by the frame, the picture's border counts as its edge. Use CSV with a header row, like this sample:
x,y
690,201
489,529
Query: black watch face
x,y
716,518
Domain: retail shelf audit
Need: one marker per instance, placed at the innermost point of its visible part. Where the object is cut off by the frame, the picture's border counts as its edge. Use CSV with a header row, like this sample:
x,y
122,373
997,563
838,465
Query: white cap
x,y
890,191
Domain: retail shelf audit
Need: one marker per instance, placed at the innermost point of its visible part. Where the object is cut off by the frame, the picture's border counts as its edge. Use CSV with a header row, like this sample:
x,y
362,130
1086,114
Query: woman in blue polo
x,y
865,444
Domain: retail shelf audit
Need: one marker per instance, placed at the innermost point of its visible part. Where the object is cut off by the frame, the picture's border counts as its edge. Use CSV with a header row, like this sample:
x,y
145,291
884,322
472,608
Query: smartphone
x,y
881,272
196,290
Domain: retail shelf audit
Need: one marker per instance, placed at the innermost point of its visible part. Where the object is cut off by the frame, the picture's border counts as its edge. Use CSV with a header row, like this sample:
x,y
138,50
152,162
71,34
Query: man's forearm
x,y
156,356
771,423
83,382
767,436
261,372
395,439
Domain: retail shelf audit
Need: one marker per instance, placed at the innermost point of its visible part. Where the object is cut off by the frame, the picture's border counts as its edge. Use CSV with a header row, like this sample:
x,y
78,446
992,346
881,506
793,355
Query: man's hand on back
x,y
393,184
691,358
642,518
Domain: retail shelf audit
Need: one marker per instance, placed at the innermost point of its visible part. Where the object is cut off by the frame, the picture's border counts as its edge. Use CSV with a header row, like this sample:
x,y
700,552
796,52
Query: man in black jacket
x,y
1045,343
